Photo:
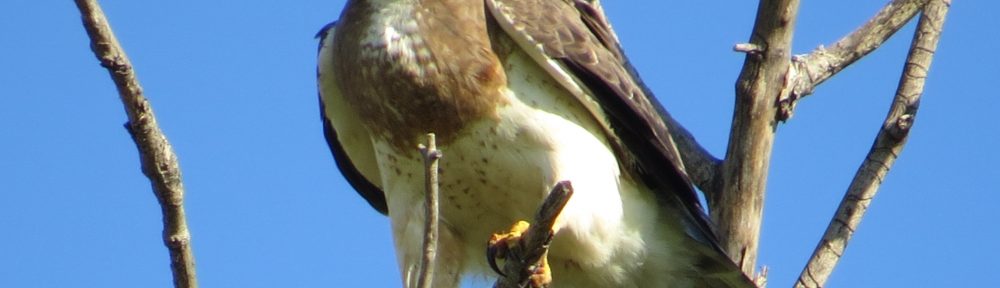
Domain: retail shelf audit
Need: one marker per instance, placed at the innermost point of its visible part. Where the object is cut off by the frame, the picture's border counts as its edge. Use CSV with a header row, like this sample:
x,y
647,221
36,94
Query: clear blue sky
x,y
234,89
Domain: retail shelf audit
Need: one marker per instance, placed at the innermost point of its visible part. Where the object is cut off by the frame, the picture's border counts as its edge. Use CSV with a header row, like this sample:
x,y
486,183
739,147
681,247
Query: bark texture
x,y
738,206
159,163
431,186
822,63
888,145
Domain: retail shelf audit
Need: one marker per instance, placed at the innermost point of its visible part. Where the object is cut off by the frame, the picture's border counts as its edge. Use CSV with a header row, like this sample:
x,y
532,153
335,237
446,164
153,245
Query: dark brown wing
x,y
576,36
562,32
368,190
365,188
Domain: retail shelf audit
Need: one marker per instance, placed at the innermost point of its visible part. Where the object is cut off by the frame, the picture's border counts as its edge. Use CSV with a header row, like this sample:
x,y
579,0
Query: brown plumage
x,y
522,94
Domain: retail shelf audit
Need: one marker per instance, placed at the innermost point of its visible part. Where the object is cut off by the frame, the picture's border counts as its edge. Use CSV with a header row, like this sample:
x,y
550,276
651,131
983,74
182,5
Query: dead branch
x,y
888,144
522,259
822,63
159,163
737,208
703,168
431,156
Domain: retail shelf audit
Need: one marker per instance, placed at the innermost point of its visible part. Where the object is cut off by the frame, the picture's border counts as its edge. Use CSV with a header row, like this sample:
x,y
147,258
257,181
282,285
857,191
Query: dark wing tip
x,y
589,49
367,189
371,193
325,30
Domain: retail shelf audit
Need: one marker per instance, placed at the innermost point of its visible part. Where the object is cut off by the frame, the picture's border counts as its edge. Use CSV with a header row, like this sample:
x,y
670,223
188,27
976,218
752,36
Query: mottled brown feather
x,y
445,88
441,92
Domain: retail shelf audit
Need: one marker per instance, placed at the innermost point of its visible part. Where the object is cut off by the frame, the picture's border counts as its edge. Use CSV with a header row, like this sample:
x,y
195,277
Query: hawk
x,y
521,94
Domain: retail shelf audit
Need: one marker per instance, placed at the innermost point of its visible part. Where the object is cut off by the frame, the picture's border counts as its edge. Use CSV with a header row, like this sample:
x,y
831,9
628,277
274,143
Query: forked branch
x,y
809,70
888,144
159,163
736,207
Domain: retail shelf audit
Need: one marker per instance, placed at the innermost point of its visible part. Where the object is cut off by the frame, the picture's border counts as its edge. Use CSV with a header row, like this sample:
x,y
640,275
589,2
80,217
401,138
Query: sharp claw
x,y
500,244
491,252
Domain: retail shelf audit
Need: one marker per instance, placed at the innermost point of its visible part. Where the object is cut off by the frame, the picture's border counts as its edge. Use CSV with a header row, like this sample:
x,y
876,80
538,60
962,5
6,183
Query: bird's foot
x,y
503,246
500,244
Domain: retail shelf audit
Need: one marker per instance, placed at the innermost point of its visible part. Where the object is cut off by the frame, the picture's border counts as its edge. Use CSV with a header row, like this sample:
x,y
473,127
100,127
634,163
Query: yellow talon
x,y
512,235
501,243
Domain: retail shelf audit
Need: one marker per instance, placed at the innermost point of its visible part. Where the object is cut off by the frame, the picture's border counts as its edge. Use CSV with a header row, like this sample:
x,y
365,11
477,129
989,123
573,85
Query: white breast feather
x,y
351,133
497,172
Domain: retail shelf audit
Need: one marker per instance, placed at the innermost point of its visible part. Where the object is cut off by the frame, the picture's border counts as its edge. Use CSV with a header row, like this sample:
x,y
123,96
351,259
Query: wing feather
x,y
573,41
557,29
349,142
572,37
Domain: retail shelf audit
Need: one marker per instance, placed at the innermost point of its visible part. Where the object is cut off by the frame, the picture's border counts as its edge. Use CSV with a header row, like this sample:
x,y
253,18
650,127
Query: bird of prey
x,y
521,94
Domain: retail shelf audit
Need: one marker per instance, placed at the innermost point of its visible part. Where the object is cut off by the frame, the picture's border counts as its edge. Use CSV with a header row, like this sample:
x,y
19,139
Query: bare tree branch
x,y
523,259
737,208
431,156
888,144
703,168
822,63
159,163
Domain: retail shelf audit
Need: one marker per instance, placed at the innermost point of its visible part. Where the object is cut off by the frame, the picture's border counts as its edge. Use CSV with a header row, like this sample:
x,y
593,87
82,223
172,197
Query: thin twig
x,y
523,259
760,280
431,156
888,144
822,63
159,163
738,207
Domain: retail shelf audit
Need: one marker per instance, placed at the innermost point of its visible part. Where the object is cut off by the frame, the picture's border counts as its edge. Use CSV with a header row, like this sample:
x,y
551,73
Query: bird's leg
x,y
509,245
